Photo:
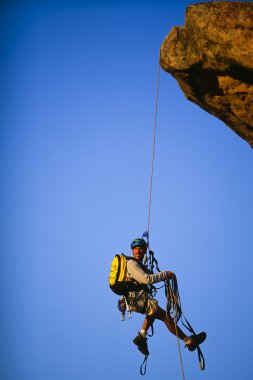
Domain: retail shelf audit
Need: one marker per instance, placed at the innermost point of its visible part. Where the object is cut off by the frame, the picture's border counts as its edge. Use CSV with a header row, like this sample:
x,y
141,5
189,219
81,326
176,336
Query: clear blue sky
x,y
77,112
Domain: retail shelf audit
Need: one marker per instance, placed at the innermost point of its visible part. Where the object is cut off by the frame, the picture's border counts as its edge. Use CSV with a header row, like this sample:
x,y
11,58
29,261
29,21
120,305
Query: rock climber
x,y
138,300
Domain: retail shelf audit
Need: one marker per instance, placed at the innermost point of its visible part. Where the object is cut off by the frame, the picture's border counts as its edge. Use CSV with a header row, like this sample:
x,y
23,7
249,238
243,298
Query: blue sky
x,y
77,114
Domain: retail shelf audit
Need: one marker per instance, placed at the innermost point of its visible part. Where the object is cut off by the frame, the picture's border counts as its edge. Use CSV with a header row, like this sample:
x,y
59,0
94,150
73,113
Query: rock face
x,y
211,57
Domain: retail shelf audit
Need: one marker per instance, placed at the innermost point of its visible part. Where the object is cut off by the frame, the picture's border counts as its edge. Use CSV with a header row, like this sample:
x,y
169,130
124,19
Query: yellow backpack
x,y
117,274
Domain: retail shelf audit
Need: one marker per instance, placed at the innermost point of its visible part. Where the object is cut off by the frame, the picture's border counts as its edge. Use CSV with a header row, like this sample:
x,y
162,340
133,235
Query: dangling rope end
x,y
201,359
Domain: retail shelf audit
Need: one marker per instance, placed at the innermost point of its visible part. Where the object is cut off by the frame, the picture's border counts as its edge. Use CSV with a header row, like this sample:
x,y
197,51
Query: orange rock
x,y
211,57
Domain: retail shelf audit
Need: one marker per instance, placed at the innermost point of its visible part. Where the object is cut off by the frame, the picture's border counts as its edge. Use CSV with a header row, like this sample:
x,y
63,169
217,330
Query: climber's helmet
x,y
138,243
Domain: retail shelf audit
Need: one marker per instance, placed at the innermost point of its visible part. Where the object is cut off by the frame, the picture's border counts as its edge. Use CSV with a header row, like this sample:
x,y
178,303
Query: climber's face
x,y
139,252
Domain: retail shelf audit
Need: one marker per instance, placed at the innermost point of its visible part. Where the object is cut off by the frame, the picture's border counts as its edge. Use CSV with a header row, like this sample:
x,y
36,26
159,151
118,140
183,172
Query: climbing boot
x,y
141,343
194,341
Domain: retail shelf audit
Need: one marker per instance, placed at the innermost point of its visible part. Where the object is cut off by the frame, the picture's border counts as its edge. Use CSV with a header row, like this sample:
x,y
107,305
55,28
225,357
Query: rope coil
x,y
174,310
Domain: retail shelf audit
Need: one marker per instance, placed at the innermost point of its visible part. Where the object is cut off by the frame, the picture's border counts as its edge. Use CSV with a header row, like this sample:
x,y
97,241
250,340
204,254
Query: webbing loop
x,y
200,354
143,367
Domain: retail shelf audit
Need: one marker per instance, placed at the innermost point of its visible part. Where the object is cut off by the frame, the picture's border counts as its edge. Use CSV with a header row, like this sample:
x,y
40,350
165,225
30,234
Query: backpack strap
x,y
135,285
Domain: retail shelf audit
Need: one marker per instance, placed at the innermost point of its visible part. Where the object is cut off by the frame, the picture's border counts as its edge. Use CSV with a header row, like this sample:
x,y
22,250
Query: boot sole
x,y
200,338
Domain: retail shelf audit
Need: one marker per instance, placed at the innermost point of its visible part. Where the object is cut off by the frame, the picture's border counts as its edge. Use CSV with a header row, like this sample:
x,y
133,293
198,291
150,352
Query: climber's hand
x,y
170,275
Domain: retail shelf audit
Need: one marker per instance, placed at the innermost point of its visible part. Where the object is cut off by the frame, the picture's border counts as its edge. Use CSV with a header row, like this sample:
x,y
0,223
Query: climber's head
x,y
139,248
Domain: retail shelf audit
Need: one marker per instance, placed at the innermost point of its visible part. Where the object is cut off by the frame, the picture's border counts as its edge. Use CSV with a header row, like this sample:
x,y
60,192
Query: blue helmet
x,y
138,243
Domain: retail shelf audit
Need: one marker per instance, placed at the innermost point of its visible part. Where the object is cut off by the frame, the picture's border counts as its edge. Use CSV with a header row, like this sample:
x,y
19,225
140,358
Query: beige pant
x,y
140,303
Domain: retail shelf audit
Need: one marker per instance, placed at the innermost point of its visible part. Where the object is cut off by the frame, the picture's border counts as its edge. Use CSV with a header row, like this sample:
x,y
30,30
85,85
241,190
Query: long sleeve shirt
x,y
135,272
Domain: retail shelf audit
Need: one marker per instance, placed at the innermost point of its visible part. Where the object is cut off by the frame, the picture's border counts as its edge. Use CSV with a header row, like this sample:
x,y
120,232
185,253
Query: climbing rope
x,y
146,234
153,147
173,306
